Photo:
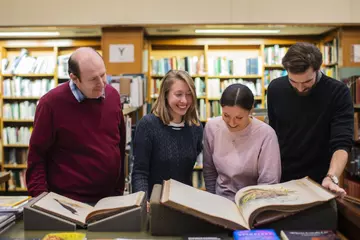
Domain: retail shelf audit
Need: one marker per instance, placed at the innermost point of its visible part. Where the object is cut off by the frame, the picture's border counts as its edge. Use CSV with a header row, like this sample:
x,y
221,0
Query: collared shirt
x,y
78,94
177,126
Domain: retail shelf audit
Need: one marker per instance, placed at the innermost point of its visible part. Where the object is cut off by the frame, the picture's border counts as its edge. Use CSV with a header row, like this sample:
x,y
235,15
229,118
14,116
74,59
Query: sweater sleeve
x,y
41,140
270,99
199,137
209,170
121,180
269,165
342,121
142,148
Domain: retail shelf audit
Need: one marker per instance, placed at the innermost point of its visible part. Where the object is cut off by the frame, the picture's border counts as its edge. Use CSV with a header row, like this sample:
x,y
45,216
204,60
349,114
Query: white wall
x,y
113,12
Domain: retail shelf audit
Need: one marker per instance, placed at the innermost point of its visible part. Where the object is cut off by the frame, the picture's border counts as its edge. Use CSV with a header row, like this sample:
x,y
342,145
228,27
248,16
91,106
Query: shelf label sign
x,y
121,53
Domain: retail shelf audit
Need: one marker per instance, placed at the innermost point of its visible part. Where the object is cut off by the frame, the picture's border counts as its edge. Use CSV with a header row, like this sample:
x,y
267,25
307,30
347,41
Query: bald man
x,y
78,142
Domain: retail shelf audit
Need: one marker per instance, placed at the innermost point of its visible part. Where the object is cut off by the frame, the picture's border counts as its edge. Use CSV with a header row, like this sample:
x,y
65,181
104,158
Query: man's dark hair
x,y
237,95
301,56
73,67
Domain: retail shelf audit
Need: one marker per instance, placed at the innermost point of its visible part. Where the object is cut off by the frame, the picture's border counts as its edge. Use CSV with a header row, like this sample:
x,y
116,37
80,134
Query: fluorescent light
x,y
236,31
28,34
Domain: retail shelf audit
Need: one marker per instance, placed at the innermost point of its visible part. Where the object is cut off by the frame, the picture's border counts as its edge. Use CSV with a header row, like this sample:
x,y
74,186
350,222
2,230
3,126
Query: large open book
x,y
251,203
83,214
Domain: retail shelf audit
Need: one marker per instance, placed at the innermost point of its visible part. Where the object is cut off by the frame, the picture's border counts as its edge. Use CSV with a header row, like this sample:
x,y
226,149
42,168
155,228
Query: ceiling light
x,y
28,34
247,31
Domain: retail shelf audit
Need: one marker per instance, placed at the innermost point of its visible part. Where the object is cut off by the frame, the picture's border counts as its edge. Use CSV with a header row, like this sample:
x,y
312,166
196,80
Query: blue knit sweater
x,y
162,152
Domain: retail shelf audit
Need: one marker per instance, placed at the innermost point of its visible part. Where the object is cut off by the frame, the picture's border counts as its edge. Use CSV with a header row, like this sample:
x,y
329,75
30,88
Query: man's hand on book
x,y
327,183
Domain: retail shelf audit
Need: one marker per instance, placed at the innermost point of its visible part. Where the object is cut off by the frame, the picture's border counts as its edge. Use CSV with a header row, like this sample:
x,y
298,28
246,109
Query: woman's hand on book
x,y
327,183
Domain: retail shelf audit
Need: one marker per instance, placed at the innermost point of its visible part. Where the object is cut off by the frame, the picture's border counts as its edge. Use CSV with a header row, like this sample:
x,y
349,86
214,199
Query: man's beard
x,y
304,93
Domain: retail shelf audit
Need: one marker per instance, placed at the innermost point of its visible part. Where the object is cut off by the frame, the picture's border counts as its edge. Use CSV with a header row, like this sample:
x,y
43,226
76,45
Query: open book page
x,y
289,196
117,204
64,207
202,204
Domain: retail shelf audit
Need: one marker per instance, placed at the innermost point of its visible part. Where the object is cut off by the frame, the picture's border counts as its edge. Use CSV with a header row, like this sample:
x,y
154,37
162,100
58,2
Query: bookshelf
x,y
215,63
329,46
29,69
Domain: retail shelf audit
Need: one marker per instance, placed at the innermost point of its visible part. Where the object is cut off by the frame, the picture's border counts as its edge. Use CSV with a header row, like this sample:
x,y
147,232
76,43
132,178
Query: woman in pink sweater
x,y
239,150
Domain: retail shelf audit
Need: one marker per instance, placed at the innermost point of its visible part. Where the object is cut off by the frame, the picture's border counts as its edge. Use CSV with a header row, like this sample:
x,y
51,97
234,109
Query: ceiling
x,y
179,30
283,30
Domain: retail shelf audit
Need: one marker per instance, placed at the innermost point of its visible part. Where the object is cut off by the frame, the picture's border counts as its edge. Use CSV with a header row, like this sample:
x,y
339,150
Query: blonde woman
x,y
168,140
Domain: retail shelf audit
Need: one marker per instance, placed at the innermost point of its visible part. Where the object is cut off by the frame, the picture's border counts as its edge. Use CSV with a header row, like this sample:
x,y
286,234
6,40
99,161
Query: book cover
x,y
264,234
309,235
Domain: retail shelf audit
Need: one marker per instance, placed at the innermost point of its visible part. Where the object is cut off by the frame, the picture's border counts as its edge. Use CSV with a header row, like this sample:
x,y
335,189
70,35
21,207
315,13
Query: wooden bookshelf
x,y
10,100
166,54
329,46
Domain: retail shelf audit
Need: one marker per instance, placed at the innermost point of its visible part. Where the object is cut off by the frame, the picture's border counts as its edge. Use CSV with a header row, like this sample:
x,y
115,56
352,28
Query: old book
x,y
251,203
83,214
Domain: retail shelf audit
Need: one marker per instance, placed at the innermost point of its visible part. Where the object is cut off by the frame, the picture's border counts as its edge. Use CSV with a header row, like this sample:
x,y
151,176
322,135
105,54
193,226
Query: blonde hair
x,y
161,107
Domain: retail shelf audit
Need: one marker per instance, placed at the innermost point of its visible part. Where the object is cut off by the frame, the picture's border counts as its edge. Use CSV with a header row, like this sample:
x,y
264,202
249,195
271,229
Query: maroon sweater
x,y
77,148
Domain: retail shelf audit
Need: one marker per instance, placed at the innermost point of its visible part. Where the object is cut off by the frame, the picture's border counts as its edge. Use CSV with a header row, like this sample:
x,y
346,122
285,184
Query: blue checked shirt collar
x,y
77,93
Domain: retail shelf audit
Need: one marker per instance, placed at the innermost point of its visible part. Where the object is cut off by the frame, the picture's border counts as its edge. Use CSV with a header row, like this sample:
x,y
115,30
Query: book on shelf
x,y
253,204
25,87
82,213
234,65
192,64
274,54
26,64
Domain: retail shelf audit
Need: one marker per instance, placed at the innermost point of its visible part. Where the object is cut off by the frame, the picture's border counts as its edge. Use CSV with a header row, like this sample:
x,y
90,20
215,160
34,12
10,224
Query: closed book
x,y
263,234
309,235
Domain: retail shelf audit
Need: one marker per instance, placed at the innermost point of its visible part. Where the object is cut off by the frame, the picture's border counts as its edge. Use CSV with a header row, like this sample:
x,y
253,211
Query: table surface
x,y
17,231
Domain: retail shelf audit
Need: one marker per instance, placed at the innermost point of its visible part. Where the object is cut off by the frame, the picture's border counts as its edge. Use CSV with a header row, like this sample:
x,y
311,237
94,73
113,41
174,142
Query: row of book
x,y
192,64
237,66
24,110
217,65
330,52
24,87
26,64
331,71
270,75
15,156
17,135
200,87
216,86
274,54
17,179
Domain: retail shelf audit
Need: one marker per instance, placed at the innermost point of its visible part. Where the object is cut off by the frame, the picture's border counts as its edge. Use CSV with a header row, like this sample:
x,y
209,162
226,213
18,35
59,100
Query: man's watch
x,y
333,178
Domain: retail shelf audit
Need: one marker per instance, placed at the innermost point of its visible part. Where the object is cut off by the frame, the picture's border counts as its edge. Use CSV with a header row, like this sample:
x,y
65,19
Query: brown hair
x,y
161,107
301,56
237,95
